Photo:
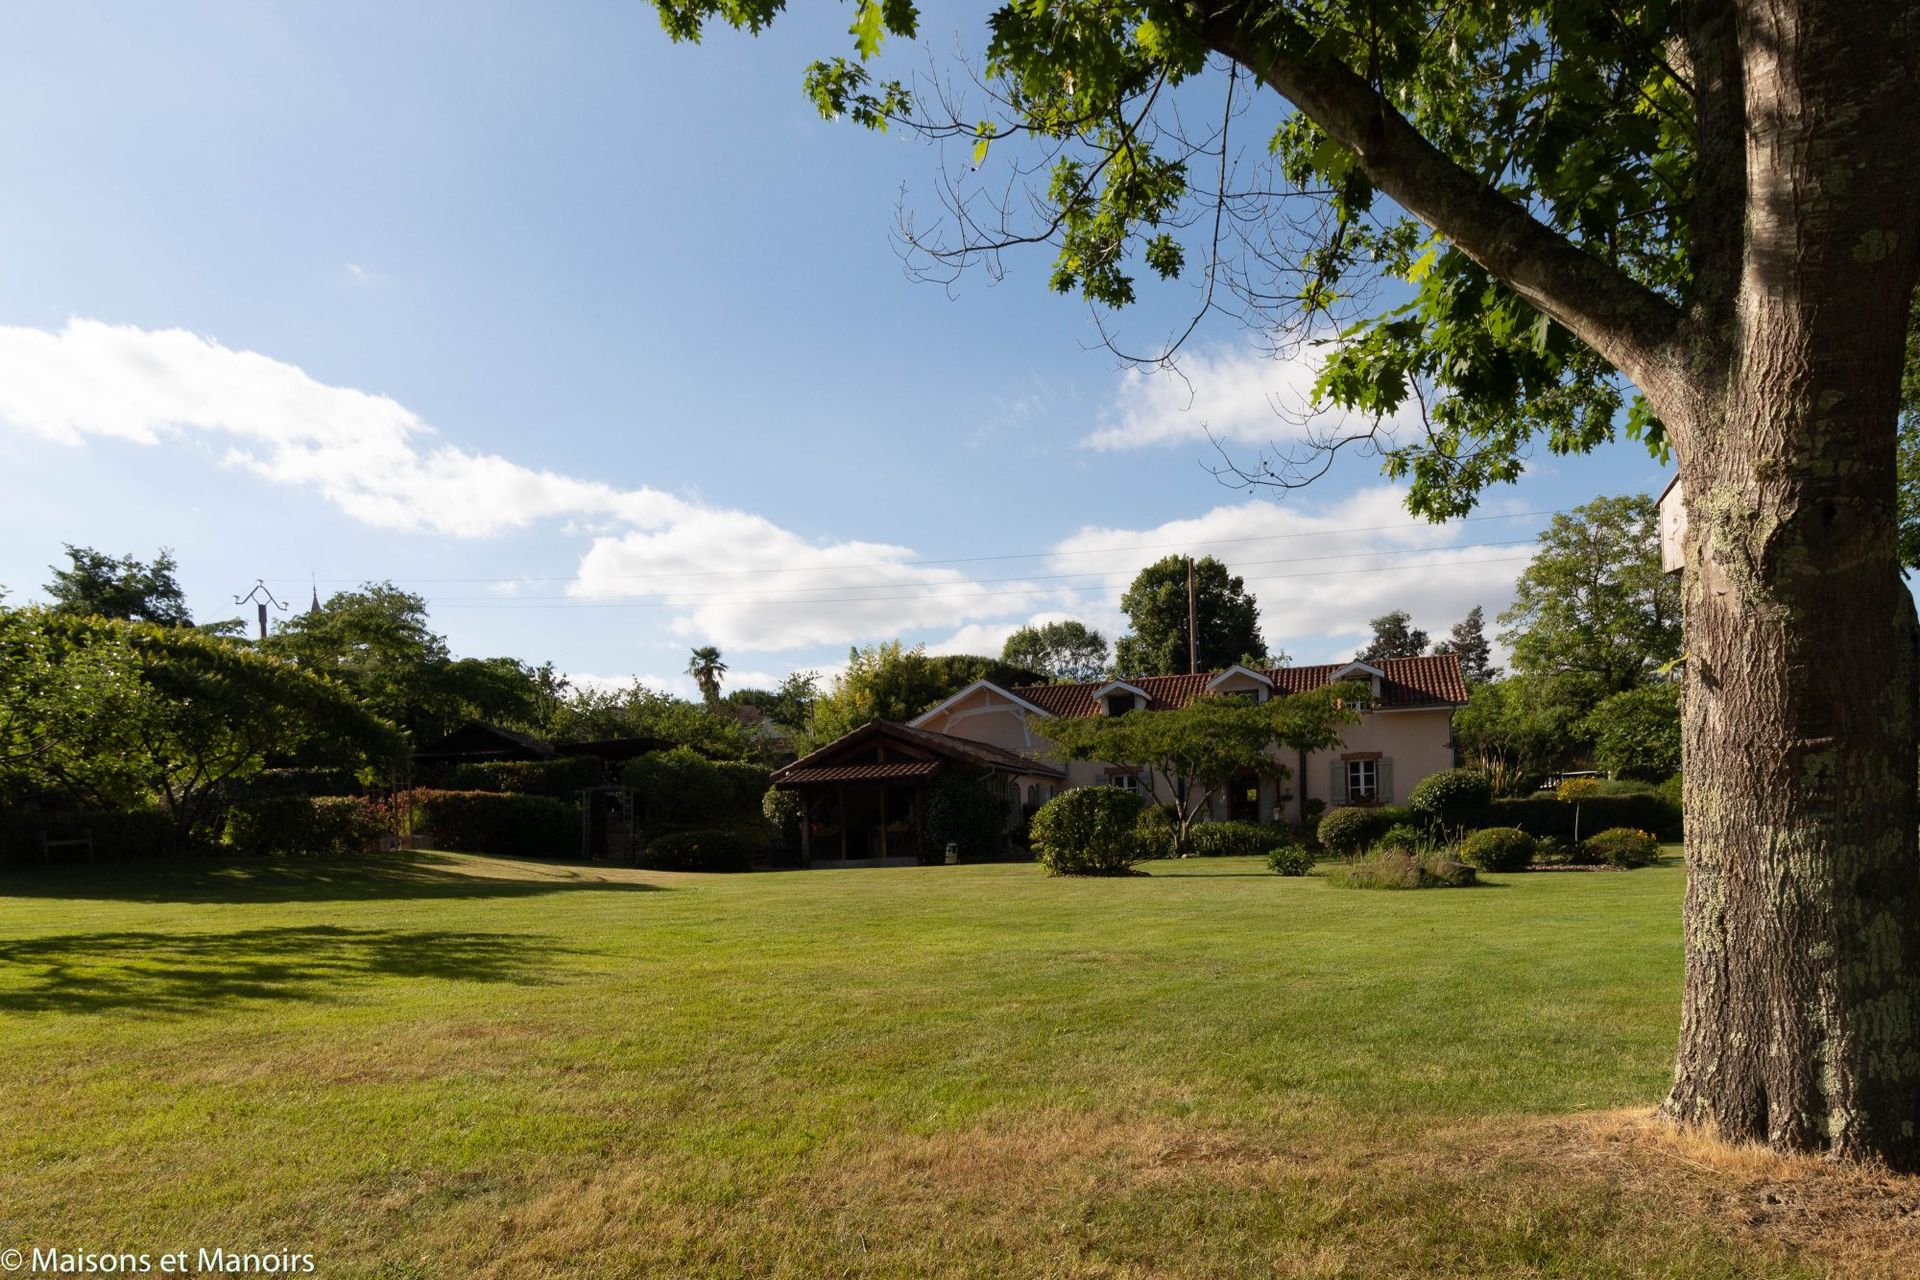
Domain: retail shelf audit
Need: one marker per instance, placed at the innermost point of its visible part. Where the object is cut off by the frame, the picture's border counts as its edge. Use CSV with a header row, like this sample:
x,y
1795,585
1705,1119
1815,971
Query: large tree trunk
x,y
1801,1024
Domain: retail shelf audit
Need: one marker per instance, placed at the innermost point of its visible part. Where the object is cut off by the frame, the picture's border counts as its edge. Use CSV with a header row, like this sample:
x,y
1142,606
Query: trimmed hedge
x,y
1089,831
1350,829
562,779
497,822
1546,816
117,833
1498,849
316,826
1622,847
710,849
1235,839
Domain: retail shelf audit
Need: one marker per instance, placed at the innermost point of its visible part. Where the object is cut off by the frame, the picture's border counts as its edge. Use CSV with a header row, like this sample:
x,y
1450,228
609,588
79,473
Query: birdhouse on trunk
x,y
1673,527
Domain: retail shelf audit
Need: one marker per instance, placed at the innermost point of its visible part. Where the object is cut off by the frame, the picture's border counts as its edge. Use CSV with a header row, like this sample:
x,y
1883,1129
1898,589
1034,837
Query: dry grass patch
x,y
1858,1220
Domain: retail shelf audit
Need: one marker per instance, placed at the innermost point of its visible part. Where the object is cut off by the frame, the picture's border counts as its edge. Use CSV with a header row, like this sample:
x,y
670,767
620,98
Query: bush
x,y
964,812
563,778
311,826
1404,836
1089,831
1451,798
1234,839
1544,816
1671,791
1623,847
497,822
117,833
1290,860
1551,851
1356,827
1498,849
1398,869
1157,832
1348,830
711,849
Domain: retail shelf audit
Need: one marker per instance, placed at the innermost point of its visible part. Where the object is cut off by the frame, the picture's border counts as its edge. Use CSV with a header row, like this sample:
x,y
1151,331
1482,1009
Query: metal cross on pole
x,y
261,596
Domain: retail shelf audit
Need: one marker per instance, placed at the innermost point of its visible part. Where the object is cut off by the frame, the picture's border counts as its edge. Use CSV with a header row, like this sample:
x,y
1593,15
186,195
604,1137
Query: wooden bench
x,y
80,840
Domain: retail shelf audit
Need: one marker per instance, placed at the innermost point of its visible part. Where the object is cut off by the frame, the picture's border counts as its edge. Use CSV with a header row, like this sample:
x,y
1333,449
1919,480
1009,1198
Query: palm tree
x,y
706,668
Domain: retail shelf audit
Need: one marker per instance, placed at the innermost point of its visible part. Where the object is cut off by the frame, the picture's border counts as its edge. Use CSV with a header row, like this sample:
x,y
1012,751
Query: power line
x,y
555,603
1044,577
1023,555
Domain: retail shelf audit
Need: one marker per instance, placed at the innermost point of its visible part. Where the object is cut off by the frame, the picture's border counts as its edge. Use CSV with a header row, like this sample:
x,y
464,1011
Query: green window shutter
x,y
1386,780
1337,789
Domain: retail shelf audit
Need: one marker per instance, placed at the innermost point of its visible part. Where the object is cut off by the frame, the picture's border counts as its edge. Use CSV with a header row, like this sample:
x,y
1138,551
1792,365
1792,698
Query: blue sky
x,y
527,309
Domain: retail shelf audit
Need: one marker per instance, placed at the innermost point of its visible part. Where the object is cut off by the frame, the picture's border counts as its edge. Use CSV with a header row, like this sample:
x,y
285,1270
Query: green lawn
x,y
444,1065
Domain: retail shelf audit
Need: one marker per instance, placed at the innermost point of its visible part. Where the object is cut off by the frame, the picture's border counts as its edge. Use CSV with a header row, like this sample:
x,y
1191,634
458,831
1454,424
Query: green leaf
x,y
869,29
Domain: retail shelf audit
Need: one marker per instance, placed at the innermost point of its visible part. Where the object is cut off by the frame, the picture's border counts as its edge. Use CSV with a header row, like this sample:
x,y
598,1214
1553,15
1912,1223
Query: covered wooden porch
x,y
863,797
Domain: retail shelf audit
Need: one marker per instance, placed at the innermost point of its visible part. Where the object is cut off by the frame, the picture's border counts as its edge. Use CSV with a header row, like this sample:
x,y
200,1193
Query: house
x,y
863,796
1405,730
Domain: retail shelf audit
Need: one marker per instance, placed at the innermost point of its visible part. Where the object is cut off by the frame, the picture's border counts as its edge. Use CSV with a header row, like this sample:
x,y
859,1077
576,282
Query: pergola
x,y
863,795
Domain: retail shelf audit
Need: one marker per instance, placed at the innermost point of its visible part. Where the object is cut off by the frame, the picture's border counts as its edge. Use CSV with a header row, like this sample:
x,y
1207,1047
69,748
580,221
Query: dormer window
x,y
1118,704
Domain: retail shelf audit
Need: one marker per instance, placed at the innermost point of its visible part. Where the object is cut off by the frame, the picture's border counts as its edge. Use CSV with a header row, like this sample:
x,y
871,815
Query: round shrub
x,y
1290,860
1498,849
1088,831
781,809
1623,847
1451,798
1347,830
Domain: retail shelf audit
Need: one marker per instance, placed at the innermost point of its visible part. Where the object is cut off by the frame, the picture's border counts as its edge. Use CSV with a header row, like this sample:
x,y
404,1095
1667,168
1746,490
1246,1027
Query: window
x,y
1363,780
1118,704
1127,782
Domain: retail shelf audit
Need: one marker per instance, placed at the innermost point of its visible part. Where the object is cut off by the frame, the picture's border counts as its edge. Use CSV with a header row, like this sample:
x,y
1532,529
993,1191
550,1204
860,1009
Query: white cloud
x,y
367,454
734,578
1322,575
1239,394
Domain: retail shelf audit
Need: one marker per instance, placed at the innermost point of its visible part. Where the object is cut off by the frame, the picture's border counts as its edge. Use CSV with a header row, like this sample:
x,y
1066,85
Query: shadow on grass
x,y
405,875
190,972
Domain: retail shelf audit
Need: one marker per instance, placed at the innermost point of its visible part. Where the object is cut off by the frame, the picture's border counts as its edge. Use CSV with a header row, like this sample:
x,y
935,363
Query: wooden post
x,y
806,828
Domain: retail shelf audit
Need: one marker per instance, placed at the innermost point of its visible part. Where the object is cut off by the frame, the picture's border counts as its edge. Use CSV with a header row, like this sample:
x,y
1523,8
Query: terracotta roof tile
x,y
863,772
1432,681
963,750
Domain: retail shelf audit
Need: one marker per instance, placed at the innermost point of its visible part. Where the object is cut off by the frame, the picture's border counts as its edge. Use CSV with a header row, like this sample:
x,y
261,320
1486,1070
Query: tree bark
x,y
1778,383
1801,1020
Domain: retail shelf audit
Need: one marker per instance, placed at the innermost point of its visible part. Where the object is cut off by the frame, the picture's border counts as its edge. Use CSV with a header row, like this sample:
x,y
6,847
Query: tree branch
x,y
1631,326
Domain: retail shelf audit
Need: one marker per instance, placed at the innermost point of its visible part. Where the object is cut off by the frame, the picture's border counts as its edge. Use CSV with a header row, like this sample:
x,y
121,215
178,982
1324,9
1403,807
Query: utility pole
x,y
1193,629
262,597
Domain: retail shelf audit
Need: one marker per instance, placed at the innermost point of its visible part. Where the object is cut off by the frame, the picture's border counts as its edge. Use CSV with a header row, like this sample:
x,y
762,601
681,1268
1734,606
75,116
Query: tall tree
x,y
706,668
1156,607
1593,603
1468,639
95,584
1066,649
1394,636
1710,203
